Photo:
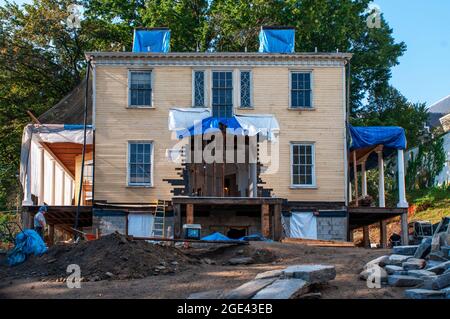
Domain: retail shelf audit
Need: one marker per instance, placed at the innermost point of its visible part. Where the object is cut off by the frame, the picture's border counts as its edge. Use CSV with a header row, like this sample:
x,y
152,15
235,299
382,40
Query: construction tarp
x,y
303,225
193,121
27,242
277,40
389,136
151,40
33,134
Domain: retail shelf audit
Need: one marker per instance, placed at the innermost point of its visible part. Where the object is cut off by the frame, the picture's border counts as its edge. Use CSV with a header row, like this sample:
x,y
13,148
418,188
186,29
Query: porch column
x,y
189,213
383,234
381,200
404,224
350,195
401,180
355,177
364,179
366,236
27,201
265,220
253,187
63,187
53,182
70,192
41,171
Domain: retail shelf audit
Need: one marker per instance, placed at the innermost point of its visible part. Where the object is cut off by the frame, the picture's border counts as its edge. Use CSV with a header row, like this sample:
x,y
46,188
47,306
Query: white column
x,y
41,185
364,179
401,180
70,192
27,201
63,187
350,197
381,199
53,182
253,187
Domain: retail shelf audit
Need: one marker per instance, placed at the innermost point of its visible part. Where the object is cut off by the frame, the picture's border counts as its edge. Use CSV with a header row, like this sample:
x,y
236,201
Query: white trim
x,y
152,164
239,104
94,99
205,91
313,161
311,72
152,79
346,165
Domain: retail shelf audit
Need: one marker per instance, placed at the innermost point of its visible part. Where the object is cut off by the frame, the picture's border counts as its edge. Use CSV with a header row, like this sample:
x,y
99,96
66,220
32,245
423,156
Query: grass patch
x,y
431,204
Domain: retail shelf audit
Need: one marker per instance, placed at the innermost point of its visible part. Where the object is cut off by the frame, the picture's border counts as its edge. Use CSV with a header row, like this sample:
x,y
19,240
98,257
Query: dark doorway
x,y
236,233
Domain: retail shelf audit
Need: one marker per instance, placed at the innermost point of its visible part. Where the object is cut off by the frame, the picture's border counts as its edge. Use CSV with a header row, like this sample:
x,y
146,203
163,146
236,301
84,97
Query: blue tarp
x,y
389,136
151,40
210,124
276,40
221,237
27,243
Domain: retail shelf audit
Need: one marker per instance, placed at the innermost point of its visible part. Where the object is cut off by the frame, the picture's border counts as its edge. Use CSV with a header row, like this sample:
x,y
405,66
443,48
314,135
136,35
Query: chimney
x,y
277,39
151,40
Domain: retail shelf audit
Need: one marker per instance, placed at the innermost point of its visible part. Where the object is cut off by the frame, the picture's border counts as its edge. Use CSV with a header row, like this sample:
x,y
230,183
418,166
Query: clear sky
x,y
424,25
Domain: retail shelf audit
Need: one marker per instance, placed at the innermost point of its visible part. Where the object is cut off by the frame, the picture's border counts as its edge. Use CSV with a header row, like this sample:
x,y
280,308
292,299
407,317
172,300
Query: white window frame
x,y
251,90
205,88
152,150
233,92
311,73
151,106
313,160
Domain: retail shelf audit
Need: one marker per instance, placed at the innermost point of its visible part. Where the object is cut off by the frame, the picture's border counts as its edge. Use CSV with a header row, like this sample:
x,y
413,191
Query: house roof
x,y
438,110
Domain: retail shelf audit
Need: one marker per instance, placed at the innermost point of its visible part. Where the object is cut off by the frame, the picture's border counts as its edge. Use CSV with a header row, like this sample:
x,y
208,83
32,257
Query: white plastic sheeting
x,y
34,134
303,225
140,225
184,118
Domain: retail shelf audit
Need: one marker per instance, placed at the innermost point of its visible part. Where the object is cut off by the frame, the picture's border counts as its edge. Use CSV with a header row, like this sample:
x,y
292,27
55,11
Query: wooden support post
x,y
366,236
177,220
277,222
53,182
41,177
350,236
265,220
355,177
189,213
383,234
51,234
404,224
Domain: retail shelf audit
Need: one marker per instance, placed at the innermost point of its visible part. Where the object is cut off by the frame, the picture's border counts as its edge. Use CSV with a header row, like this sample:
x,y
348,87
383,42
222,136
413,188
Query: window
x,y
246,100
199,88
140,84
301,90
302,159
222,93
139,163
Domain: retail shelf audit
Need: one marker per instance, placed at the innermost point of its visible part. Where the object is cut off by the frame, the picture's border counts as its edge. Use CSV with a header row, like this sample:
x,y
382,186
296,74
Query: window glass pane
x,y
140,88
302,164
245,89
300,89
199,88
222,91
140,163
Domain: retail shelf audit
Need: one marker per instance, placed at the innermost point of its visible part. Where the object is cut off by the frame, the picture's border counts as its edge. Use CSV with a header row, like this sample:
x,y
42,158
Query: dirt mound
x,y
110,257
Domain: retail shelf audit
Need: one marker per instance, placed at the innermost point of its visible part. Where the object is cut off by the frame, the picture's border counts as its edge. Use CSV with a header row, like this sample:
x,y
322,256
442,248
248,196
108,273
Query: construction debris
x,y
424,294
313,274
318,242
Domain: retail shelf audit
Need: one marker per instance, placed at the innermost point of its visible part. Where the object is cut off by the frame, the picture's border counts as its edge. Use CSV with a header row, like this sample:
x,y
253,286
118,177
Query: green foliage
x,y
431,203
425,164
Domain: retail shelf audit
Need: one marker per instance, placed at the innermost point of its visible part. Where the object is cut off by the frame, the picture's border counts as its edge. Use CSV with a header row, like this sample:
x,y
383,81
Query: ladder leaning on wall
x,y
159,222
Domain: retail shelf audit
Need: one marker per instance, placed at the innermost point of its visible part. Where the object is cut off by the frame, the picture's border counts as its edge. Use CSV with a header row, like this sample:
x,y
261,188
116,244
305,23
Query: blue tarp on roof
x,y
392,137
211,124
153,40
276,40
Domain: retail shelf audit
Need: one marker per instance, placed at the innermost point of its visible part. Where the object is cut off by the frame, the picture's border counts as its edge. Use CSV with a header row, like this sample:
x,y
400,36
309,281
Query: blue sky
x,y
424,25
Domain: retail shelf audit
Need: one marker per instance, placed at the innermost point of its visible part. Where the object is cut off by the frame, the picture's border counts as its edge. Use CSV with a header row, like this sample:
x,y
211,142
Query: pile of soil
x,y
111,257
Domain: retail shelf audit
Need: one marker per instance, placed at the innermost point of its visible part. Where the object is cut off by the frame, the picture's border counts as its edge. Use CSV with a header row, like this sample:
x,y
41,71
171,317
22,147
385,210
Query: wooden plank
x,y
231,242
189,213
383,234
177,220
319,242
278,229
366,236
265,220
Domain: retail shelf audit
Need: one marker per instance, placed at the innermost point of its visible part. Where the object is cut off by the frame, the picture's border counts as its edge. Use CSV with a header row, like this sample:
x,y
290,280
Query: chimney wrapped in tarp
x,y
151,40
277,40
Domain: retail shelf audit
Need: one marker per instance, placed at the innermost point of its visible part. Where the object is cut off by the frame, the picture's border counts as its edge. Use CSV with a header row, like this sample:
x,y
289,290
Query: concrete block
x,y
311,273
405,250
446,251
440,268
424,248
404,281
421,273
380,261
249,289
413,264
424,294
374,271
270,274
397,260
391,269
283,289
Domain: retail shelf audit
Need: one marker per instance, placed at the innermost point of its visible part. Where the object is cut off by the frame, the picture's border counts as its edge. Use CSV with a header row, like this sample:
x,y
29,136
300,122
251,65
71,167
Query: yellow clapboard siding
x,y
172,87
